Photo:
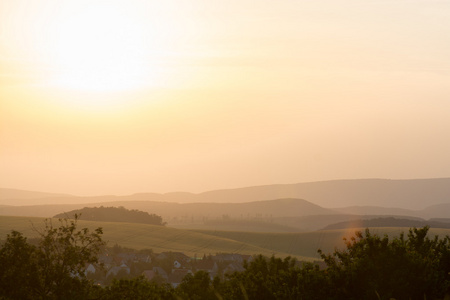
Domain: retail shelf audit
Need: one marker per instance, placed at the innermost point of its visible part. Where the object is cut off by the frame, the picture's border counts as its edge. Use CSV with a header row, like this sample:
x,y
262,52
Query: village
x,y
165,267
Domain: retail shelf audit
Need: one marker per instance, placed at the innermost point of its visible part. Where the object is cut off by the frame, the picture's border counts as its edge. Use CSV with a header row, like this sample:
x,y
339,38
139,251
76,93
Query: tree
x,y
137,288
114,214
54,268
196,287
412,266
374,267
275,278
18,265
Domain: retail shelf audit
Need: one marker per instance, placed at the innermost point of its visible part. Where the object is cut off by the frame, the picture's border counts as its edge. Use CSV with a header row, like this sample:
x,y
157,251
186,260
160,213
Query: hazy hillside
x,y
68,199
188,211
387,222
253,209
307,243
437,211
316,222
239,225
192,242
46,211
407,194
281,215
433,211
378,210
21,197
411,194
160,238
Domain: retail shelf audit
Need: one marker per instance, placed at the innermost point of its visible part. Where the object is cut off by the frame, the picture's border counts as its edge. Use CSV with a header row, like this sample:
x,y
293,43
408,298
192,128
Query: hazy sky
x,y
118,97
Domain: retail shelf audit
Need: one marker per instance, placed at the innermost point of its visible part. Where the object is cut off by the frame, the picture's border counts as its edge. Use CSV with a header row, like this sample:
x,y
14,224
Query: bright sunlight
x,y
103,48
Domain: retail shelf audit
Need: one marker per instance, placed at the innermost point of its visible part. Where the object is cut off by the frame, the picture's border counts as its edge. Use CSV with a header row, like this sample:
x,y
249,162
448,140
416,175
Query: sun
x,y
84,49
102,45
101,48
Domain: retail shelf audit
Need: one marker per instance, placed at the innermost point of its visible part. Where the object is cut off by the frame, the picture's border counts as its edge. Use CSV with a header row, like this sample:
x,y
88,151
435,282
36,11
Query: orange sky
x,y
118,97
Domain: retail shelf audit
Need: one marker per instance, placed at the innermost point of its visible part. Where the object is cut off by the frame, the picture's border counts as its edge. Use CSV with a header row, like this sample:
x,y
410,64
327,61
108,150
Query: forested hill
x,y
387,222
113,214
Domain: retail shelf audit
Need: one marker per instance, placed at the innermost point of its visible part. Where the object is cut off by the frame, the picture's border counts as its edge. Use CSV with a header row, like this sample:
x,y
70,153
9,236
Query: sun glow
x,y
98,46
102,49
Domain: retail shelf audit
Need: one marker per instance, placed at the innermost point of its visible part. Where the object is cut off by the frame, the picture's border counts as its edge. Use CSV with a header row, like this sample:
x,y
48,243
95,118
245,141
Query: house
x,y
117,260
181,257
207,265
176,264
247,258
89,269
115,270
177,277
162,256
160,271
126,257
143,258
149,274
106,260
233,267
233,258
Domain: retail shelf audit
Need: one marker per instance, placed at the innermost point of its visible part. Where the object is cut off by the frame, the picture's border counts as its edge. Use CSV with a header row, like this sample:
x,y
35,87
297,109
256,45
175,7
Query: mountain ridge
x,y
400,193
265,208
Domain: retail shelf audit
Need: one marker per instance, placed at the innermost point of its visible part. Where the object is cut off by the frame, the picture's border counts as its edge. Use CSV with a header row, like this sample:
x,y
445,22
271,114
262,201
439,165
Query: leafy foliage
x,y
412,266
114,214
52,269
274,278
373,267
18,265
136,289
196,287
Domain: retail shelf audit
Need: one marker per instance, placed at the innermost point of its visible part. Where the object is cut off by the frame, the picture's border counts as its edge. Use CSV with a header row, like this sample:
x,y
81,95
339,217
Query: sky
x,y
121,97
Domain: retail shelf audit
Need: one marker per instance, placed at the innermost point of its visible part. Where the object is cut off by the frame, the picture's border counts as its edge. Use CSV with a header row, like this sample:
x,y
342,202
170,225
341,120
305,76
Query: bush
x,y
54,268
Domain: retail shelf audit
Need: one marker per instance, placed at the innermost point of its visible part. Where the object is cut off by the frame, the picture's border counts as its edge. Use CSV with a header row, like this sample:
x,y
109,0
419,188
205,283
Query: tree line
x,y
411,266
113,214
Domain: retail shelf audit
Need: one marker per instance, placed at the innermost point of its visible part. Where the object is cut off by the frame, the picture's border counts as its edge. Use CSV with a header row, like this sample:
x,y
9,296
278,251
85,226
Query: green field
x,y
198,242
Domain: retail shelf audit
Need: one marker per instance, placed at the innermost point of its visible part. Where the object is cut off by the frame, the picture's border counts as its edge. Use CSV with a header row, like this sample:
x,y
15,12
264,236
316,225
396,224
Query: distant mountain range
x,y
21,197
198,211
408,194
283,206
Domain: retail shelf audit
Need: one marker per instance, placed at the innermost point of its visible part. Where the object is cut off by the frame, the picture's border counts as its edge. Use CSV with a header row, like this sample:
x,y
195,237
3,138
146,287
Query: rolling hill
x,y
408,194
198,211
281,215
21,197
138,236
271,208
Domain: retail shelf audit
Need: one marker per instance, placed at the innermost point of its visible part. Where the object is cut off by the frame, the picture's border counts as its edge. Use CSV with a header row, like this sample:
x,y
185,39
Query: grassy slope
x,y
301,245
236,225
306,244
140,236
